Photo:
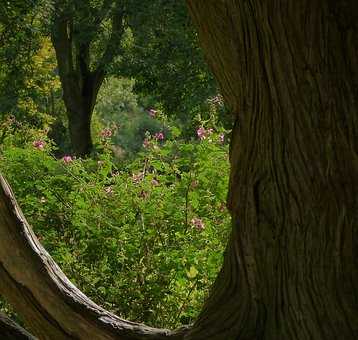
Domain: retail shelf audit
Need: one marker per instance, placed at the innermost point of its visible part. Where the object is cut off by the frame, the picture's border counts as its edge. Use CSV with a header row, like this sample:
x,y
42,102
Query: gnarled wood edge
x,y
52,307
10,330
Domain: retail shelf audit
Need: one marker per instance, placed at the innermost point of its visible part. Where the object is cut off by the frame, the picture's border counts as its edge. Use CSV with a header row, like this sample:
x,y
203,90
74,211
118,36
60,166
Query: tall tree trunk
x,y
289,71
80,103
79,125
80,85
80,73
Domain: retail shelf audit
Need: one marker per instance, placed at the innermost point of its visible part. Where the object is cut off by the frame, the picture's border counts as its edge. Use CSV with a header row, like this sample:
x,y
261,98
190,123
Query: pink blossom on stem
x,y
137,178
201,133
106,133
146,143
39,144
159,136
152,112
154,182
198,223
67,159
221,138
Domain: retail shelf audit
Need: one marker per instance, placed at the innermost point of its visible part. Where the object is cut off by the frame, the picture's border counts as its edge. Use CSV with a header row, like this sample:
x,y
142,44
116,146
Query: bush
x,y
145,239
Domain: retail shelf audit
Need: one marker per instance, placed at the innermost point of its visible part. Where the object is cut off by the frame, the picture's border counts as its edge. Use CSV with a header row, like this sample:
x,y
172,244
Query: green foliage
x,y
121,110
144,240
142,236
164,57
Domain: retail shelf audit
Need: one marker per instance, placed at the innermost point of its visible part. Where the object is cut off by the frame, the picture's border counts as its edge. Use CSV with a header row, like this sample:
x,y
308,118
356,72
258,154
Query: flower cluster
x,y
67,159
202,133
39,144
106,133
159,136
197,223
152,112
137,178
154,182
146,143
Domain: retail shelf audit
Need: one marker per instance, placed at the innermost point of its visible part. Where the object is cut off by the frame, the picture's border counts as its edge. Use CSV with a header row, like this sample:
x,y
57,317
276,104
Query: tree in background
x,y
19,43
30,90
86,36
164,57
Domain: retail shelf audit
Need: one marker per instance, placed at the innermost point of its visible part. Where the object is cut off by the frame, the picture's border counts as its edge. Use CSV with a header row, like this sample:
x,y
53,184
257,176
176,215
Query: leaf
x,y
192,273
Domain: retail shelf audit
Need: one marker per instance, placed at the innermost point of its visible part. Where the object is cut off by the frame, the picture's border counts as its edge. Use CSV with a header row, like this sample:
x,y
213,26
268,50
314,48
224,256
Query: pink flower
x,y
159,136
106,133
39,144
136,178
146,143
221,138
154,182
201,133
152,112
197,223
67,159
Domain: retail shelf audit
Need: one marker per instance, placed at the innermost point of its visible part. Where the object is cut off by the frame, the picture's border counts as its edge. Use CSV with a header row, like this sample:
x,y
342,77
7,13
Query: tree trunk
x,y
80,84
289,72
80,88
81,74
79,114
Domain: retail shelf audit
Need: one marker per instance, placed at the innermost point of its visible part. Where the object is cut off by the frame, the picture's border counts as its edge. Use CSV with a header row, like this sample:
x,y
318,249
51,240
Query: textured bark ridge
x,y
289,72
52,307
9,330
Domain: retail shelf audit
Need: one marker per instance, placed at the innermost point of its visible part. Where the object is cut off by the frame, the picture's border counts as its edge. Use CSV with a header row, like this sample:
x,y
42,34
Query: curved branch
x,y
10,330
52,307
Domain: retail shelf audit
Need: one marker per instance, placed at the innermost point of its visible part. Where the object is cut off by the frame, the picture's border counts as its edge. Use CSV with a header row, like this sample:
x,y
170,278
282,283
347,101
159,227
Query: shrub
x,y
145,239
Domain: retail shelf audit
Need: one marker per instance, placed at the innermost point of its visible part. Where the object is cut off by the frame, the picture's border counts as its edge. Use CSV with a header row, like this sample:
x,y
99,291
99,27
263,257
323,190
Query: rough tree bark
x,y
81,77
288,70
